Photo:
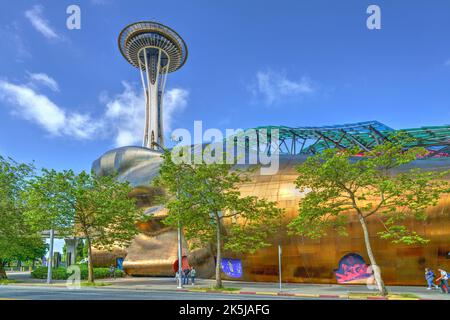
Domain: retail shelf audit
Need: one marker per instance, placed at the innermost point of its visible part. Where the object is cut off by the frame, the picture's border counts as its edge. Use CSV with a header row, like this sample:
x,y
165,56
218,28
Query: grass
x,y
405,295
227,289
7,281
215,289
399,296
94,284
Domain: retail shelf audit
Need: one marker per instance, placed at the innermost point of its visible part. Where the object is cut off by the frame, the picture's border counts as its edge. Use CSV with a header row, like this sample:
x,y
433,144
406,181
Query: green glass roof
x,y
365,135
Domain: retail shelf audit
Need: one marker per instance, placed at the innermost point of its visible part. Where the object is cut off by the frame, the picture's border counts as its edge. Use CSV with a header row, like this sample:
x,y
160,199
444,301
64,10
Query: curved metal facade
x,y
306,260
154,251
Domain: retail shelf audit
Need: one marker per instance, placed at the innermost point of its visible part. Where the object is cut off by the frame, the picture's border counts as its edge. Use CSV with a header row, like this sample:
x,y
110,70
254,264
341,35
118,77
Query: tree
x,y
17,240
203,197
50,202
85,205
337,184
81,253
106,215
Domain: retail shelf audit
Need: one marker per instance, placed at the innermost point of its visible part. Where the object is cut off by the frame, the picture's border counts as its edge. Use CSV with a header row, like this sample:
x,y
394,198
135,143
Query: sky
x,y
68,96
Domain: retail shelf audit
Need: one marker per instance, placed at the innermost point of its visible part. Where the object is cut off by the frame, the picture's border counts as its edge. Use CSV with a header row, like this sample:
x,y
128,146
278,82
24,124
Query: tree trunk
x,y
376,269
2,270
90,264
219,254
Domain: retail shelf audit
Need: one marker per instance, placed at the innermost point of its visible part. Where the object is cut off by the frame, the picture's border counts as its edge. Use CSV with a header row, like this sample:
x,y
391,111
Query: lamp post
x,y
180,245
180,248
50,257
279,265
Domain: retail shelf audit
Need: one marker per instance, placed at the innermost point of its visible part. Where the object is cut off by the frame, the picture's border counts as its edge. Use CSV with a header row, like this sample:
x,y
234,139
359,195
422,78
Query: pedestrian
x,y
193,273
186,276
181,275
430,276
112,271
443,281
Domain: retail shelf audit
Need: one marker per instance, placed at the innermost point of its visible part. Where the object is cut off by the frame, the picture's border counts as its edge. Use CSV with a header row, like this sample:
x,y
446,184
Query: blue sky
x,y
67,96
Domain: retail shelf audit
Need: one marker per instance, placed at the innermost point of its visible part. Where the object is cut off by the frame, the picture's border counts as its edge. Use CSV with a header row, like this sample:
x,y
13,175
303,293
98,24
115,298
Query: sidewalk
x,y
320,291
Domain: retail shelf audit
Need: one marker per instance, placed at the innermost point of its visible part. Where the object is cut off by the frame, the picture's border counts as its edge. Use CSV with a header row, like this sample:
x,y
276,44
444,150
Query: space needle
x,y
155,50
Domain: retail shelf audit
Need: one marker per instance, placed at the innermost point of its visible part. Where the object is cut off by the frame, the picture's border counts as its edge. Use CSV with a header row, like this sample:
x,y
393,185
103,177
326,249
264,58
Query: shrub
x,y
57,273
61,273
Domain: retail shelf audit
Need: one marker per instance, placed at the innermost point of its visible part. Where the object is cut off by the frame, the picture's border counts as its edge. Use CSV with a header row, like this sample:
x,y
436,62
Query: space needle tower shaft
x,y
155,50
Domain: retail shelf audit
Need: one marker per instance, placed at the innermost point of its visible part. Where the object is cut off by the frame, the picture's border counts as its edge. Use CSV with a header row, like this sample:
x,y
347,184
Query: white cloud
x,y
175,101
123,118
125,113
44,79
272,87
38,108
38,21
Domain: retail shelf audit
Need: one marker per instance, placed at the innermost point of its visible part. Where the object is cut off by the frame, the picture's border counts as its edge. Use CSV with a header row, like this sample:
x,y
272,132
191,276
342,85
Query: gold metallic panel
x,y
154,251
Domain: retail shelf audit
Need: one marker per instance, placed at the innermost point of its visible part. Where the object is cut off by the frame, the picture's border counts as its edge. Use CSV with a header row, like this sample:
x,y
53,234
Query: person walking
x,y
186,276
430,276
112,271
181,274
193,273
443,281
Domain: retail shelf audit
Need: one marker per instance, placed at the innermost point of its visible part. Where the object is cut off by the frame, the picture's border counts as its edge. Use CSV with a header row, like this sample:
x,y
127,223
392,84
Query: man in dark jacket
x,y
186,276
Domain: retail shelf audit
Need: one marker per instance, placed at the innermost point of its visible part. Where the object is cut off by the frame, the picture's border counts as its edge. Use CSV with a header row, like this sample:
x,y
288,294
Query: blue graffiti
x,y
232,267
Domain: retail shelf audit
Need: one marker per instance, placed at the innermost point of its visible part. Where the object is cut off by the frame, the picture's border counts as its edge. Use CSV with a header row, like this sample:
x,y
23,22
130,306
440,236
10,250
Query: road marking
x,y
265,293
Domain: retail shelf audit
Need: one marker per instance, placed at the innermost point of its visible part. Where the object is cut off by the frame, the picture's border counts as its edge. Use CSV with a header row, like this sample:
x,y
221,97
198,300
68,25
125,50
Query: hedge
x,y
61,273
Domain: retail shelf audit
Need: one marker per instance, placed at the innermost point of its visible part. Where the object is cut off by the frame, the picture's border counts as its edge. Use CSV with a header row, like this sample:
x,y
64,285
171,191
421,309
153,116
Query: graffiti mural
x,y
353,269
232,267
119,263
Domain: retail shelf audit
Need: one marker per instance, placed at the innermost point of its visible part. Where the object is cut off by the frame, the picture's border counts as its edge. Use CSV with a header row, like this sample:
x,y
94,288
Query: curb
x,y
300,295
266,293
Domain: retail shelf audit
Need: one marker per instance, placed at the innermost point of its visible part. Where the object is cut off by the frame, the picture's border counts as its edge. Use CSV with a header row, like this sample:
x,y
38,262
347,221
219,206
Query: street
x,y
54,293
163,288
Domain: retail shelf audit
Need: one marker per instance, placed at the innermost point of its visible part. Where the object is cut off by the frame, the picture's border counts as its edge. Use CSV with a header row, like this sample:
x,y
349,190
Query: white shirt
x,y
444,275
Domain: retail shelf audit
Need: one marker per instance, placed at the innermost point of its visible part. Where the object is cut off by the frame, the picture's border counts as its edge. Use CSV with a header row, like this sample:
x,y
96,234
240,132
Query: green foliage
x,y
6,282
62,274
57,273
85,250
95,284
203,197
93,207
51,202
81,251
18,241
336,183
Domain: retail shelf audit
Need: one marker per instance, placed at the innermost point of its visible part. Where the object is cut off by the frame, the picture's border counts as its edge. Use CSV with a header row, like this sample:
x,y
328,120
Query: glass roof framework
x,y
364,135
